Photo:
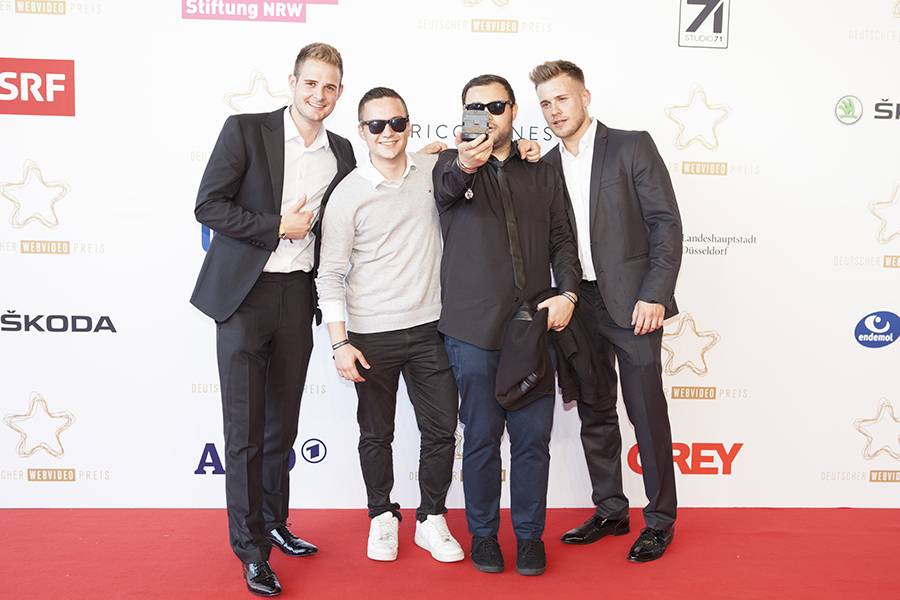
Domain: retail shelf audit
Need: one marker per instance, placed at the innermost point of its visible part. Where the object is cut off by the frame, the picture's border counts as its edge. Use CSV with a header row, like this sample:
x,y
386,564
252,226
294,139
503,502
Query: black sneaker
x,y
530,557
486,554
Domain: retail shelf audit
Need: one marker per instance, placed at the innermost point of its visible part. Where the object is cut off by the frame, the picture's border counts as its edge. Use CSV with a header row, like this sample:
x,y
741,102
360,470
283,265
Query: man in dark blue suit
x,y
266,184
628,230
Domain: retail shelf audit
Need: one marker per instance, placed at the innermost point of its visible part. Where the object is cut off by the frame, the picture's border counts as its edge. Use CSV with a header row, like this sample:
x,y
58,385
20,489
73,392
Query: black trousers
x,y
640,368
418,353
263,353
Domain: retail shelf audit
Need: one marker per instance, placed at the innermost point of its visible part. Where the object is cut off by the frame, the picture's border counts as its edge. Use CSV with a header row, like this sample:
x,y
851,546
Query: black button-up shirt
x,y
478,291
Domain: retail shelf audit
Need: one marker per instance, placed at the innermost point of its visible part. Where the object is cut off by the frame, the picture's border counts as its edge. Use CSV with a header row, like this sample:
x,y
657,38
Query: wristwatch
x,y
281,234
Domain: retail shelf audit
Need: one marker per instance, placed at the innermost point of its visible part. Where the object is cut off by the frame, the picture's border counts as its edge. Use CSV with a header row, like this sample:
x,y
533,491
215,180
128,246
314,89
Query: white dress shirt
x,y
577,171
307,171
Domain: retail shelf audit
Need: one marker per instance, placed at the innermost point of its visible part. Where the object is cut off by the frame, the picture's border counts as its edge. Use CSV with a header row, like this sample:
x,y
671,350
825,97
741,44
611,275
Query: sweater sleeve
x,y
338,229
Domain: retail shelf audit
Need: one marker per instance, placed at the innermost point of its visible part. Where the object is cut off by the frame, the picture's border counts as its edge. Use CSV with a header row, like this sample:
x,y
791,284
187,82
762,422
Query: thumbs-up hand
x,y
297,221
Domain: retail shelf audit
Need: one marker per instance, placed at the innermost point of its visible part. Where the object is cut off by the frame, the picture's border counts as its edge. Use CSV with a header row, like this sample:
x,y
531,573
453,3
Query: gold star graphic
x,y
885,428
43,209
699,117
36,401
471,3
257,81
458,445
878,209
687,323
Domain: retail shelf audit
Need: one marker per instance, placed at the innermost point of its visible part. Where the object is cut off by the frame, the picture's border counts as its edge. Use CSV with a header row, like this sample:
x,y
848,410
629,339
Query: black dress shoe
x,y
290,544
261,579
486,555
651,544
530,557
595,528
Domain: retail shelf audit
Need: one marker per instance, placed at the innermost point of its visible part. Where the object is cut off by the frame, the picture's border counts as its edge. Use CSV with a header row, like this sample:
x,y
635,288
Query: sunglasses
x,y
376,126
497,107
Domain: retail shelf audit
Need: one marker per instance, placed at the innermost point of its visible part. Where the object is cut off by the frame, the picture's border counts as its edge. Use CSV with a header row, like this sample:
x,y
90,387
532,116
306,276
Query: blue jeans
x,y
475,371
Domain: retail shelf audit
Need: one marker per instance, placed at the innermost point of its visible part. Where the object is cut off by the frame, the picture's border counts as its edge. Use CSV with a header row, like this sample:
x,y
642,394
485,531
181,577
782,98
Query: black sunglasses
x,y
376,126
497,107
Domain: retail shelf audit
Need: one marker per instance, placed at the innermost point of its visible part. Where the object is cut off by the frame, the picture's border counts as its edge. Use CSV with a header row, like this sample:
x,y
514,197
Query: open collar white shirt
x,y
307,171
577,171
374,176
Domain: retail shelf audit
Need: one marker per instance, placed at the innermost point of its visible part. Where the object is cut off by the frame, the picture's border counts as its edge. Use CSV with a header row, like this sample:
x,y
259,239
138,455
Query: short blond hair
x,y
322,52
550,69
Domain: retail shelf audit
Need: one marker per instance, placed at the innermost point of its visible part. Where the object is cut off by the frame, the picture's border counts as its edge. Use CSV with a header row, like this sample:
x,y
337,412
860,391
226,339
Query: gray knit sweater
x,y
391,239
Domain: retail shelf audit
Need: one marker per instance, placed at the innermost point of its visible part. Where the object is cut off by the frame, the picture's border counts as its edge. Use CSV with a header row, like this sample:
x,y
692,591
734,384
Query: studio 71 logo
x,y
704,23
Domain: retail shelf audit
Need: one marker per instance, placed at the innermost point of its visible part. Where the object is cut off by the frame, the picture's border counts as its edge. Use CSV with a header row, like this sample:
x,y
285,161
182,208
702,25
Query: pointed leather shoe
x,y
651,544
261,579
594,529
290,544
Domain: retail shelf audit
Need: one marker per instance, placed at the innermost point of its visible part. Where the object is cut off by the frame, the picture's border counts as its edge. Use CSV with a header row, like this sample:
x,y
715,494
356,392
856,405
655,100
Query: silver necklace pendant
x,y
469,194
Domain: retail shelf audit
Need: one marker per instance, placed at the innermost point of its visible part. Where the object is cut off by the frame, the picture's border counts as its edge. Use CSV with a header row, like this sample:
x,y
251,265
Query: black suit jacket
x,y
636,236
240,199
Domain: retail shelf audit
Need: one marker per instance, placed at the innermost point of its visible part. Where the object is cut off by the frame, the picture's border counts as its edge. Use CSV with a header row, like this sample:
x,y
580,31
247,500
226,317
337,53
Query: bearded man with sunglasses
x,y
482,287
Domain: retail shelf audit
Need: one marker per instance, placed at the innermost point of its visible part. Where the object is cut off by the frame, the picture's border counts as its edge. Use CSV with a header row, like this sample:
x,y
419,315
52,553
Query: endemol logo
x,y
252,10
699,458
697,121
30,86
848,110
40,429
687,347
878,329
704,23
34,199
888,214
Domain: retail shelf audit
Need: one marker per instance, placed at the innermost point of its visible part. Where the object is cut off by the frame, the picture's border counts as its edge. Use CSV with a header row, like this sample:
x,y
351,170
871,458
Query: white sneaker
x,y
383,540
433,535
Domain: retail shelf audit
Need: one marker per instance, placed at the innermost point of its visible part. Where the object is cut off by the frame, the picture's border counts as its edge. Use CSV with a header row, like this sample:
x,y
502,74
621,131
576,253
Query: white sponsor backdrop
x,y
768,317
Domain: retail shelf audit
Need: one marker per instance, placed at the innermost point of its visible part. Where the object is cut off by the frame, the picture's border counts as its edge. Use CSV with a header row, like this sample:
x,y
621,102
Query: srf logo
x,y
878,329
37,87
704,23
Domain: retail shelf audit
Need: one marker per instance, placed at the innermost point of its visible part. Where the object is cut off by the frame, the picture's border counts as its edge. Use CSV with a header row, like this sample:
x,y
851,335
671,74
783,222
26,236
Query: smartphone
x,y
474,124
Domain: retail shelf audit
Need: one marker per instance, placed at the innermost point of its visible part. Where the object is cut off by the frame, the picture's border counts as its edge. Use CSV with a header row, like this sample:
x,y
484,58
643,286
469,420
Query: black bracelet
x,y
343,342
570,298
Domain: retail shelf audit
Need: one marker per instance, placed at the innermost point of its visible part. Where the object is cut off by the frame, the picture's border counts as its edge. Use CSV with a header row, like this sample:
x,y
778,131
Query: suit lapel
x,y
555,158
600,140
273,138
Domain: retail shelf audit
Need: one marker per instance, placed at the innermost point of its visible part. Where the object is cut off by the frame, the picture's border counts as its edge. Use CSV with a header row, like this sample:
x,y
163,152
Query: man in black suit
x,y
628,229
267,181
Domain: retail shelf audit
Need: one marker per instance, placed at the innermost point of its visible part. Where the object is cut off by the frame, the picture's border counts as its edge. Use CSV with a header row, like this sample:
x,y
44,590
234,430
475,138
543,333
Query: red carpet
x,y
717,553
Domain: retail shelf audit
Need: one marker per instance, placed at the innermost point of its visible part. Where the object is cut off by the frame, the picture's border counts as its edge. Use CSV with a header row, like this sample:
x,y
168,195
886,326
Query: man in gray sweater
x,y
383,222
